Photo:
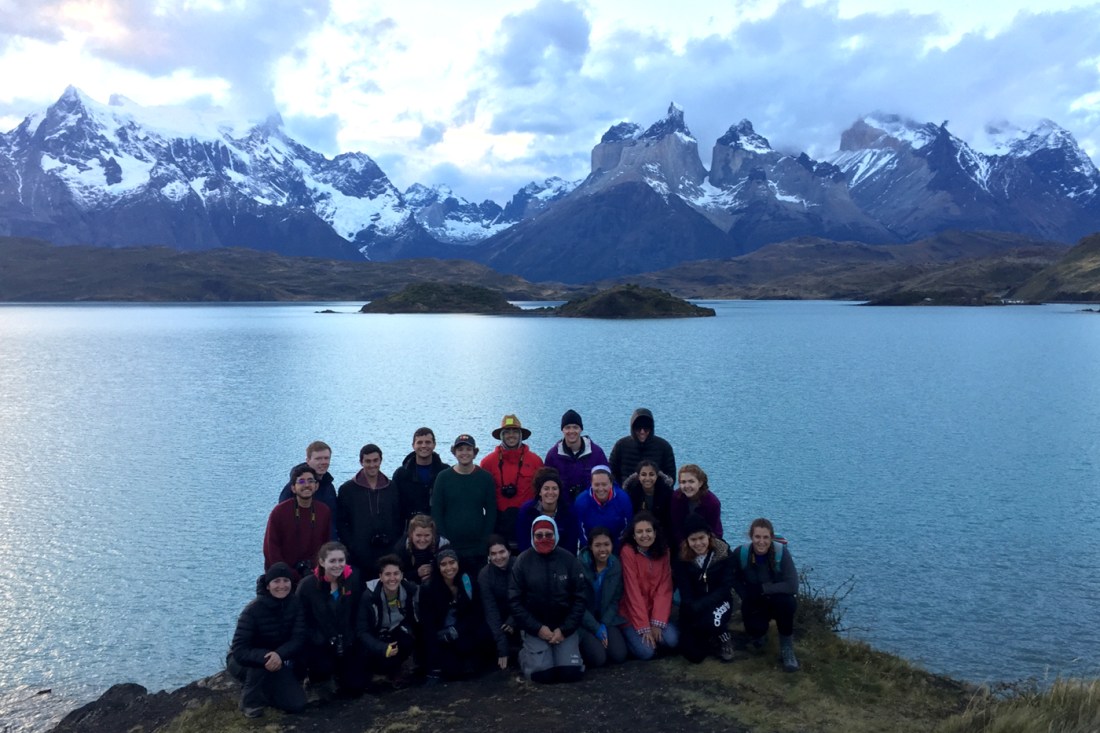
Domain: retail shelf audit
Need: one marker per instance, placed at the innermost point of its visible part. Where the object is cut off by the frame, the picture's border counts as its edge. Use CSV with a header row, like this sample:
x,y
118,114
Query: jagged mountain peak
x,y
621,132
671,124
742,135
881,130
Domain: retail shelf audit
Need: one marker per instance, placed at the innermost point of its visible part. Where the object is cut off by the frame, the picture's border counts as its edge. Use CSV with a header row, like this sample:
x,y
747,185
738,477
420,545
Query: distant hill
x,y
35,271
436,297
632,301
813,268
1074,278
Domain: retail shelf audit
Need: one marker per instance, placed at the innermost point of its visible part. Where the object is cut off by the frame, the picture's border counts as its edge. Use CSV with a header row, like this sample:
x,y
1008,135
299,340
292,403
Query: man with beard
x,y
318,457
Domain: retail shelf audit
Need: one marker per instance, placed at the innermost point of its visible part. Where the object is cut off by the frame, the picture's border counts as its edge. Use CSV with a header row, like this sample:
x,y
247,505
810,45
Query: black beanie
x,y
694,522
278,570
572,417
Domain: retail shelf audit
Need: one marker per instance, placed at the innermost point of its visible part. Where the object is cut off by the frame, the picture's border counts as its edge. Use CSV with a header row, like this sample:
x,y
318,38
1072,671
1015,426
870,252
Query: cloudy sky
x,y
485,95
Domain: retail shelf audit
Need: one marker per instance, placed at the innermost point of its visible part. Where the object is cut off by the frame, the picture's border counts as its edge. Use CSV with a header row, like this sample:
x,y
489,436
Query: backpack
x,y
777,542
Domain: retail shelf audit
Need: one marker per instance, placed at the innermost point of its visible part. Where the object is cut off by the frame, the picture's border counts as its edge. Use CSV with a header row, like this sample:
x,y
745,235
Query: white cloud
x,y
488,95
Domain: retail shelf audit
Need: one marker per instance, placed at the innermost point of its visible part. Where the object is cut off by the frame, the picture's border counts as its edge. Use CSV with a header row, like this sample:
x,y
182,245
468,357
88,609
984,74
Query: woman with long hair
x,y
330,603
548,501
492,582
767,581
651,490
456,638
647,588
694,497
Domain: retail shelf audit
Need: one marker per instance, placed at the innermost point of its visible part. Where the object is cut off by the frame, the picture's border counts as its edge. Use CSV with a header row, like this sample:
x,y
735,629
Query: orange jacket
x,y
647,589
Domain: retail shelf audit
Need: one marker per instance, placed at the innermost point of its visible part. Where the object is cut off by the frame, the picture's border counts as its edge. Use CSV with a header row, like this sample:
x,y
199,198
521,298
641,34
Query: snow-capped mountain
x,y
120,174
917,179
453,219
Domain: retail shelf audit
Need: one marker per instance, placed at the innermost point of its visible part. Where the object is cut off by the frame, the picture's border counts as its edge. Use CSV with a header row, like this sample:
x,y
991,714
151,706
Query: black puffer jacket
x,y
268,624
628,452
548,590
327,617
703,589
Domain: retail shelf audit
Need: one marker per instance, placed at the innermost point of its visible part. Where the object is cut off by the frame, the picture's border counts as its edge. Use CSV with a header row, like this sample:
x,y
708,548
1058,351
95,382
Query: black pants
x,y
594,652
390,666
468,654
757,611
699,629
281,689
348,669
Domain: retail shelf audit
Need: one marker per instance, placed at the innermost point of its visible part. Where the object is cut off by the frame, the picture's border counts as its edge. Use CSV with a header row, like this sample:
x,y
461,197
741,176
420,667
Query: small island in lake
x,y
632,301
437,297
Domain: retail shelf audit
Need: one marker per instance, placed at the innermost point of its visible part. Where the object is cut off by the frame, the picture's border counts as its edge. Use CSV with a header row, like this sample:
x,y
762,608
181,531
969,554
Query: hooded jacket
x,y
628,451
547,589
370,520
268,624
569,527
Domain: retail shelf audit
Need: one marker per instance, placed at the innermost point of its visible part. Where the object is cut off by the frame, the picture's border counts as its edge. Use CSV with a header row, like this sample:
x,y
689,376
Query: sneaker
x,y
253,712
725,647
786,654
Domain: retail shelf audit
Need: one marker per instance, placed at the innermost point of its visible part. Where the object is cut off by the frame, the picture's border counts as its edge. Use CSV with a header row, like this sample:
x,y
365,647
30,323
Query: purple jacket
x,y
576,473
709,508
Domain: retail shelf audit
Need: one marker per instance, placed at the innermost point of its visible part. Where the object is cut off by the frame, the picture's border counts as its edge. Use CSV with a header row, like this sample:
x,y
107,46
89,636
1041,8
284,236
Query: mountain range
x,y
119,174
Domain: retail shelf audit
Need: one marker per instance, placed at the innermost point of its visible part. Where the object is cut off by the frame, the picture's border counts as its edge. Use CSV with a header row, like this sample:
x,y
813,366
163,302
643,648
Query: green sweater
x,y
464,508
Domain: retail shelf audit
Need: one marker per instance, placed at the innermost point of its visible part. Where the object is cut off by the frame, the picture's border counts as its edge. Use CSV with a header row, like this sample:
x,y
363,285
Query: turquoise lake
x,y
945,459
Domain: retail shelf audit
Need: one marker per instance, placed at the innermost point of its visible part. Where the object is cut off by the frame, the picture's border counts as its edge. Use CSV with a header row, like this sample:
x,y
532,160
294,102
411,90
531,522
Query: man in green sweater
x,y
464,505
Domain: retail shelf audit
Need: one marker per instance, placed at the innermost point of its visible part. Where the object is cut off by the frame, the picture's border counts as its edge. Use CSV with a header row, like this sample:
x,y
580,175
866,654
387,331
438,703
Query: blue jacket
x,y
569,527
615,514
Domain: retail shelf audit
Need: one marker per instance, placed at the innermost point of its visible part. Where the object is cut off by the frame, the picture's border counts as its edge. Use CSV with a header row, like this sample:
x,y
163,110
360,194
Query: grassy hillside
x,y
1073,278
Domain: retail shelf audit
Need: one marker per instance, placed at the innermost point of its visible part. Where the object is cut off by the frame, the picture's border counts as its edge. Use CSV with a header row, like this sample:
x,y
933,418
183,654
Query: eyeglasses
x,y
306,481
544,535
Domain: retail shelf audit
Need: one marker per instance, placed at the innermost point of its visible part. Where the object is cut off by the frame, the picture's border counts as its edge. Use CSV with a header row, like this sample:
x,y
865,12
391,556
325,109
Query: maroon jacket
x,y
294,534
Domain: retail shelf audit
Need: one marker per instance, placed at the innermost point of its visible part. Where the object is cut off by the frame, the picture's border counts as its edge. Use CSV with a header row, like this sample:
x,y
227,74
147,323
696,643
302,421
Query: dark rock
x,y
436,297
632,301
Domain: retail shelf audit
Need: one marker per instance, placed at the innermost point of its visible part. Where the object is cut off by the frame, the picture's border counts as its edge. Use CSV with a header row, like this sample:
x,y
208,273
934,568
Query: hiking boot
x,y
786,654
253,712
725,647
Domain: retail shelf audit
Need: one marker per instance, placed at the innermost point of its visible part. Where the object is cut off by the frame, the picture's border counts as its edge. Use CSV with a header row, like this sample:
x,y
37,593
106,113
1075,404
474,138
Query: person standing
x,y
318,457
369,513
464,505
512,464
575,455
630,450
297,527
416,476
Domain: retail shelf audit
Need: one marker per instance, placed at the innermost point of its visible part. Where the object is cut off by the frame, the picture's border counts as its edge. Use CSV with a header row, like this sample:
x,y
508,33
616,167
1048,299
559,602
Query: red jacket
x,y
504,466
647,589
293,536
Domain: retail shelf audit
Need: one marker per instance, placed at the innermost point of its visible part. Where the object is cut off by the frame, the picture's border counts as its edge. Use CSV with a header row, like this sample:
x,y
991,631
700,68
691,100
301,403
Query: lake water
x,y
947,459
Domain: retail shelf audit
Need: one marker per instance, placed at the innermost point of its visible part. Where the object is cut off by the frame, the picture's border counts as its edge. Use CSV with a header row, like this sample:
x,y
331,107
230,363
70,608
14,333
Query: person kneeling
x,y
767,582
270,633
386,620
703,573
330,602
548,594
457,640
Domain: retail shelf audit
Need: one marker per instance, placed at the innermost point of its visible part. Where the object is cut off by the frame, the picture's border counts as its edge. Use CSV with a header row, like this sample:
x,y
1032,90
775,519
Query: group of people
x,y
560,562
